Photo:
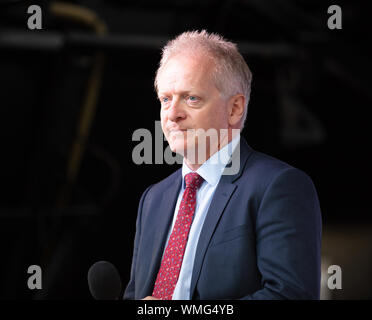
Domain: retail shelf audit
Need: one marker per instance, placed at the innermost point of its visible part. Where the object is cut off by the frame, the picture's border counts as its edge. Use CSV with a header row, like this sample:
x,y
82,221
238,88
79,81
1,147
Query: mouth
x,y
177,131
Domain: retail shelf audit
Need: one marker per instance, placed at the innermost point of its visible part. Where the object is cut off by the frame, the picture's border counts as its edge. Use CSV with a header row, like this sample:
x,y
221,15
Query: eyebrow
x,y
183,92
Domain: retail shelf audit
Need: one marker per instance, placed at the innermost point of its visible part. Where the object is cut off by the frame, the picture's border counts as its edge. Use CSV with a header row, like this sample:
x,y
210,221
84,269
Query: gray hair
x,y
231,74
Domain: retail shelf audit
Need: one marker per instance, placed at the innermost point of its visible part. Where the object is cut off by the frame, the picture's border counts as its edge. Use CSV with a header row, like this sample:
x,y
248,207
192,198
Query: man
x,y
206,232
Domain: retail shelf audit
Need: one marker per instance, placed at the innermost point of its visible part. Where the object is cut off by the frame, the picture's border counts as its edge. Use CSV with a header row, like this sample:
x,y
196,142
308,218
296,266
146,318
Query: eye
x,y
164,99
192,99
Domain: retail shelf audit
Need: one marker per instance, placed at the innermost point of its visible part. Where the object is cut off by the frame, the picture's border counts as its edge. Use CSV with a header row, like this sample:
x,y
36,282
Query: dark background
x,y
309,105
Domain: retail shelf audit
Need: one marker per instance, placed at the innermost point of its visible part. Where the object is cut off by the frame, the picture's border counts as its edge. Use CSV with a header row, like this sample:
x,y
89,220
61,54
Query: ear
x,y
236,109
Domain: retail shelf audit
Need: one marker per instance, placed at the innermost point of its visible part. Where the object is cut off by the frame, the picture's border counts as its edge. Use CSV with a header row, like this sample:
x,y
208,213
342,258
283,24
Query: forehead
x,y
186,73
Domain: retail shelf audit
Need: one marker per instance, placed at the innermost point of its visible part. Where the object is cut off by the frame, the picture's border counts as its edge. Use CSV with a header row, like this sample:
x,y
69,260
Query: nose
x,y
176,111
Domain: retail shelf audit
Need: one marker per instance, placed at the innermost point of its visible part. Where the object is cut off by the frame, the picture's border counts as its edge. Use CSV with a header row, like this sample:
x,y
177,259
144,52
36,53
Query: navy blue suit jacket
x,y
261,238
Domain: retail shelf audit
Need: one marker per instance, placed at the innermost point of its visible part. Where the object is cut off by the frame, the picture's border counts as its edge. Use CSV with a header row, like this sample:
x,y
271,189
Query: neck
x,y
195,164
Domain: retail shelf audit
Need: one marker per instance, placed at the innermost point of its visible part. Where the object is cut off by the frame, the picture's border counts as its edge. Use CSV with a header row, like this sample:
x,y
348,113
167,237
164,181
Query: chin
x,y
177,146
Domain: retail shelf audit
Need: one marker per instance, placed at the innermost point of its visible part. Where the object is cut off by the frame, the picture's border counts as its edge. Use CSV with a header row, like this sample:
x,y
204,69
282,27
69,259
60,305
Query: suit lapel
x,y
166,207
221,198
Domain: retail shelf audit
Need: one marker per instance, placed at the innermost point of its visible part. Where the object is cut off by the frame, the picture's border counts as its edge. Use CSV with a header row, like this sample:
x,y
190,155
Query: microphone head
x,y
104,281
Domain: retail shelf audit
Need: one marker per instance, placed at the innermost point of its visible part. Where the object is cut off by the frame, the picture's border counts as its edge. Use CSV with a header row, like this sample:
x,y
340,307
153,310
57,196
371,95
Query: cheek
x,y
222,114
163,118
216,116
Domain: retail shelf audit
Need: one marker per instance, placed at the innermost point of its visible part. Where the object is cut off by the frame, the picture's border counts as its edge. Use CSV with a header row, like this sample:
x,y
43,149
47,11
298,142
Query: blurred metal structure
x,y
89,18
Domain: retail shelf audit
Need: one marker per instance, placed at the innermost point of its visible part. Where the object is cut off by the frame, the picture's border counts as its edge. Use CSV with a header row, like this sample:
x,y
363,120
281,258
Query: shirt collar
x,y
211,170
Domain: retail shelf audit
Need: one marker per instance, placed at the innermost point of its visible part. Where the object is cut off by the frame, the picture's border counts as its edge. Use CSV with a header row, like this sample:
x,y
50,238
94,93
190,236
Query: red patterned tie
x,y
170,267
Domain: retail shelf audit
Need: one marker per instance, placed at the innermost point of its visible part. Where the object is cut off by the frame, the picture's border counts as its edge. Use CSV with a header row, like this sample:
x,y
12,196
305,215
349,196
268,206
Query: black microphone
x,y
104,281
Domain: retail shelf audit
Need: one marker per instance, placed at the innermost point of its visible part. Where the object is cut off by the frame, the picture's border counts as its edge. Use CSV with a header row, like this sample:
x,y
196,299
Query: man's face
x,y
190,100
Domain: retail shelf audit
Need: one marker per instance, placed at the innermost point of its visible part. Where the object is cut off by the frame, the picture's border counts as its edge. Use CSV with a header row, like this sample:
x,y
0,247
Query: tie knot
x,y
193,180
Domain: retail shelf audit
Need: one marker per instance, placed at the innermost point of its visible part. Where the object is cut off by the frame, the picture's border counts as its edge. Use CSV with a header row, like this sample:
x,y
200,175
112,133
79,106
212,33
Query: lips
x,y
175,129
177,133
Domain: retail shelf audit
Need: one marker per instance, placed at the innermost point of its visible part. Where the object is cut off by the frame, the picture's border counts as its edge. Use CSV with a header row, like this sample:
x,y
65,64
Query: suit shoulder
x,y
266,163
266,168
